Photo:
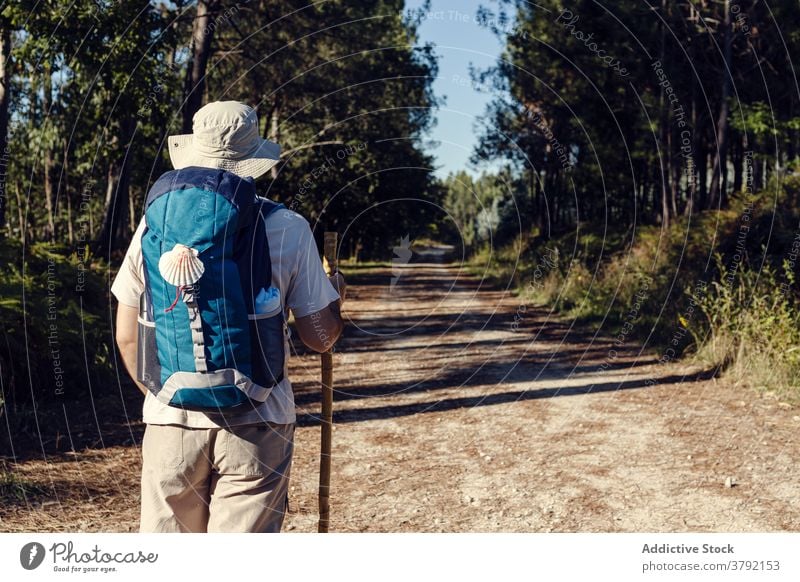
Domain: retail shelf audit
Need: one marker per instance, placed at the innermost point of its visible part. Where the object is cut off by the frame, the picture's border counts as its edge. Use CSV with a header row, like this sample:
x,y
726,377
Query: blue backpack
x,y
211,324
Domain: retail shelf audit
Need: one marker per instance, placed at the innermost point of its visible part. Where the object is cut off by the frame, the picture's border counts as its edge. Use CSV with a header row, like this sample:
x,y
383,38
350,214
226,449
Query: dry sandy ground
x,y
449,419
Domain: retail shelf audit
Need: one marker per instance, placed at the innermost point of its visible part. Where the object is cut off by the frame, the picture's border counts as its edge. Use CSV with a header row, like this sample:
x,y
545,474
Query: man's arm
x,y
320,330
127,339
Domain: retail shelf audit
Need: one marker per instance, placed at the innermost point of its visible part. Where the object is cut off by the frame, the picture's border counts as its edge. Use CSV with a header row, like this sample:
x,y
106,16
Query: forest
x,y
649,177
589,323
93,88
651,146
705,106
89,92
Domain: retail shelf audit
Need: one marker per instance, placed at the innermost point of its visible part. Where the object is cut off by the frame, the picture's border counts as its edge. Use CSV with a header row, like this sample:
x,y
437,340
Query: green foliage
x,y
97,88
343,88
15,489
56,342
490,210
612,143
462,204
729,297
752,327
90,90
757,118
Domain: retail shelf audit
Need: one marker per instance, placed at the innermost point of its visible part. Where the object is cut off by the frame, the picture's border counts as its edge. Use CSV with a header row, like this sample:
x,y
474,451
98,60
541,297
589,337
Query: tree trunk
x,y
536,204
115,208
702,173
112,179
273,123
65,173
665,165
23,232
666,137
791,136
641,194
674,161
692,165
200,49
5,96
133,219
675,186
719,172
540,216
737,156
49,197
48,162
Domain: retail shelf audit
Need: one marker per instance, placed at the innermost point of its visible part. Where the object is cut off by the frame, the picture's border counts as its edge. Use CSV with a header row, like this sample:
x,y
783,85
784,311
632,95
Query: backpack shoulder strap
x,y
252,253
267,206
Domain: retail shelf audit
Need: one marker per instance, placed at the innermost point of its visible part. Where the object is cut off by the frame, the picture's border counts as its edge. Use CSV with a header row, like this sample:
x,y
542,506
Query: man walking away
x,y
204,292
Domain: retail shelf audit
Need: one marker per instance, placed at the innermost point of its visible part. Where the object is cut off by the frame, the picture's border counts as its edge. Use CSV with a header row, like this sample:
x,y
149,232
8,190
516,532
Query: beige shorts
x,y
233,479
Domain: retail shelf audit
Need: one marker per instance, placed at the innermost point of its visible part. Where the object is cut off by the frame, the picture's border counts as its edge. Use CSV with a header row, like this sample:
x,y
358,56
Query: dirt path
x,y
450,420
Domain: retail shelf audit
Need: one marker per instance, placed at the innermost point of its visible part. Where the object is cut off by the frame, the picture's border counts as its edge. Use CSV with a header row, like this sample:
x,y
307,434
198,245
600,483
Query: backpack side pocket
x,y
267,342
148,368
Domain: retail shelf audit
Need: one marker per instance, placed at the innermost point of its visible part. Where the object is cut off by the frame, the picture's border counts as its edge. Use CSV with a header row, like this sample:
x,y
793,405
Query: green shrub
x,y
56,340
657,284
15,489
753,318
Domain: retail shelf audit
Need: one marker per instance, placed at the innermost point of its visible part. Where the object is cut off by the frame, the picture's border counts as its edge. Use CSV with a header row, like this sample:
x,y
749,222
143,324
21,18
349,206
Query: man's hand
x,y
337,280
320,330
127,339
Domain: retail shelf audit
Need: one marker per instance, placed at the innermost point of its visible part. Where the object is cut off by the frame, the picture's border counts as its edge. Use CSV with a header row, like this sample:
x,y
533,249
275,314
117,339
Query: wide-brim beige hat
x,y
225,135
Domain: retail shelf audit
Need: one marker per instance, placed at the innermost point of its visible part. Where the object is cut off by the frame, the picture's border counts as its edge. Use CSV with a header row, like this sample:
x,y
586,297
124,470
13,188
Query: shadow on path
x,y
445,404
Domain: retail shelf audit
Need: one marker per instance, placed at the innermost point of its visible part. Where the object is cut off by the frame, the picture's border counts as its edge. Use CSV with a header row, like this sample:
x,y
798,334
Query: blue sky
x,y
452,26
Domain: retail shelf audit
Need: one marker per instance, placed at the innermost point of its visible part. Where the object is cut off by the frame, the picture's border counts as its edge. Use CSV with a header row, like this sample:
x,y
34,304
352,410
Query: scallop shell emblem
x,y
181,266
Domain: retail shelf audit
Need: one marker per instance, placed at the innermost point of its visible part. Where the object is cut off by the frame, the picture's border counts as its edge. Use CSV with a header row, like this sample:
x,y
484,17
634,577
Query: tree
x,y
651,103
200,49
349,103
5,98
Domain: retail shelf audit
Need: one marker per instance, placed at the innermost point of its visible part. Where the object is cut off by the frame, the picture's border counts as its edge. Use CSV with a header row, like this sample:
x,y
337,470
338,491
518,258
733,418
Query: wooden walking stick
x,y
326,419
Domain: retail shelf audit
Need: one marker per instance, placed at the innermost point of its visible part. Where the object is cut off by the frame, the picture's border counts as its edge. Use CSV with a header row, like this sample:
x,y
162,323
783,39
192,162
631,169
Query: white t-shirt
x,y
296,271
